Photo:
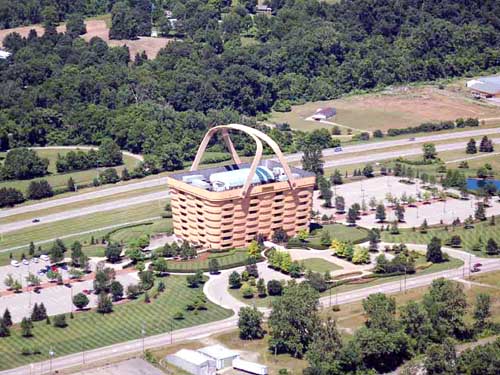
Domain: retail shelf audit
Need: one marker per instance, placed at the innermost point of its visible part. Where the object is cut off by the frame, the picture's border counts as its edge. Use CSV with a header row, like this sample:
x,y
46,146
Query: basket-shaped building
x,y
226,207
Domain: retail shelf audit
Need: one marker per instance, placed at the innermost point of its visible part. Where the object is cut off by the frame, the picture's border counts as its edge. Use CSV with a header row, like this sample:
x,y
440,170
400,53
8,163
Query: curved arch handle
x,y
257,136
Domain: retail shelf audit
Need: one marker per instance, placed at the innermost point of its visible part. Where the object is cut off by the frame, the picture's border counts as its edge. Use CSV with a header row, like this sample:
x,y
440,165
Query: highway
x,y
136,346
338,161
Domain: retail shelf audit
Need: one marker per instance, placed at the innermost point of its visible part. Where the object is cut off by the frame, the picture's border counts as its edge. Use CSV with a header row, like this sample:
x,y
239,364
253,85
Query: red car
x,y
478,265
86,291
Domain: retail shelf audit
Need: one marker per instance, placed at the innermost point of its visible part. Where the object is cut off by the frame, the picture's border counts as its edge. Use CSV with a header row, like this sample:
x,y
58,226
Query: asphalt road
x,y
69,214
204,330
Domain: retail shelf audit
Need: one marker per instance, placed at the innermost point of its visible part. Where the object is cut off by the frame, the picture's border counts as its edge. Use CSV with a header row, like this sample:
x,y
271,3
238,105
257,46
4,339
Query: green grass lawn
x,y
340,232
91,222
90,330
235,257
319,265
59,180
133,232
482,230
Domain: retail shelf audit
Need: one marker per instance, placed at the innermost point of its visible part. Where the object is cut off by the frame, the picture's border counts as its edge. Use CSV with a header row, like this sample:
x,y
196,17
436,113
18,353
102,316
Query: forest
x,y
59,89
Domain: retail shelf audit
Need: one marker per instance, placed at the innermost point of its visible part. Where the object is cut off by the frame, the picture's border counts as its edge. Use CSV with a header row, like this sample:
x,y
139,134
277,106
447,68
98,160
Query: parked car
x,y
35,260
475,269
87,291
337,149
35,220
26,262
478,265
412,139
41,272
64,266
14,263
44,257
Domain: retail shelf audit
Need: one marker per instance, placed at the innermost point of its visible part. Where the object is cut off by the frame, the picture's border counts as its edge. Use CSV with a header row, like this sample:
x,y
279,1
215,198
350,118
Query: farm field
x,y
85,223
89,330
57,180
99,27
398,108
481,231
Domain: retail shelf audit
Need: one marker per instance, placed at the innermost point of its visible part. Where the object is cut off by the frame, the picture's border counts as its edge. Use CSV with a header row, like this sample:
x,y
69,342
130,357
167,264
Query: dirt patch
x,y
99,28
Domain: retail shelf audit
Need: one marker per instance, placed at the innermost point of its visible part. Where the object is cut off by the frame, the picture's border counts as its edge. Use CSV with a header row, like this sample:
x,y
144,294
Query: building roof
x,y
192,356
218,352
489,85
327,111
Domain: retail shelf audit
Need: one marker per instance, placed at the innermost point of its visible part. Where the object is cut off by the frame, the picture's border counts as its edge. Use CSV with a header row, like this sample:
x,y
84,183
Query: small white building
x,y
222,356
192,362
250,367
4,54
324,113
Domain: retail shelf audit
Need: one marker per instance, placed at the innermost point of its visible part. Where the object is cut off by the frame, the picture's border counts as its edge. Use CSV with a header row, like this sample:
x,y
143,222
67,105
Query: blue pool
x,y
474,183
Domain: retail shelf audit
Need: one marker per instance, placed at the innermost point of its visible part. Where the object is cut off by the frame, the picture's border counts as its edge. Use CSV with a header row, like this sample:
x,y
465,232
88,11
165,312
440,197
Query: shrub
x,y
59,321
274,288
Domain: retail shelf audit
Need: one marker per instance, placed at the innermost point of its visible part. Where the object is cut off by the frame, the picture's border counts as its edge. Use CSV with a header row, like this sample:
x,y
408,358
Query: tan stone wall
x,y
226,220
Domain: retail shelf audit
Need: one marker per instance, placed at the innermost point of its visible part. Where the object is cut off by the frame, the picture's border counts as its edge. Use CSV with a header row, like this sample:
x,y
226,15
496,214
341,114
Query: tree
x,y
26,327
274,288
312,159
31,250
261,288
253,249
123,23
109,153
399,211
113,252
104,304
280,236
235,280
380,311
480,213
434,253
429,151
80,301
368,171
440,359
10,197
380,213
336,178
133,290
324,353
486,145
103,279
351,216
471,147
7,319
424,227
4,329
325,238
71,184
39,189
339,204
482,311
23,164
213,266
360,256
57,251
116,290
416,324
492,247
293,319
250,323
455,241
75,25
445,303
59,321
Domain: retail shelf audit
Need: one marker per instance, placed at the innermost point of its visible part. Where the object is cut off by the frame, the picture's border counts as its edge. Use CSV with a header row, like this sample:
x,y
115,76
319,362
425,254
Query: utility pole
x,y
143,333
51,355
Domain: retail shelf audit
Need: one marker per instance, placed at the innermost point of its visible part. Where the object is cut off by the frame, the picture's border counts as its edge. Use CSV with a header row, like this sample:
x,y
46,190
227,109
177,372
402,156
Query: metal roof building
x,y
222,356
485,86
192,362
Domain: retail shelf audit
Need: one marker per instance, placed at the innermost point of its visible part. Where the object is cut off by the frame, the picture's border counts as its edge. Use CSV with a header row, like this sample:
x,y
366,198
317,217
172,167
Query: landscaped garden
x,y
340,232
90,330
319,265
228,259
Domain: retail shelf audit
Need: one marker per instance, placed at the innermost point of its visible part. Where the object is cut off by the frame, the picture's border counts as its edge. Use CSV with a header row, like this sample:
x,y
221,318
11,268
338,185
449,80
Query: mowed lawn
x,y
130,233
59,180
339,232
319,265
233,257
94,222
482,231
396,108
90,330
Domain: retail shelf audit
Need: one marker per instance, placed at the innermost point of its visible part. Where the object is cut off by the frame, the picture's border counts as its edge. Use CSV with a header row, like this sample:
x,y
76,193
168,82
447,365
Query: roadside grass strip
x,y
89,330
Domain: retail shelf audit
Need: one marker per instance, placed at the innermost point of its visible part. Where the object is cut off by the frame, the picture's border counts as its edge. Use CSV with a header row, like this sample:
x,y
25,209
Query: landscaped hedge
x,y
205,269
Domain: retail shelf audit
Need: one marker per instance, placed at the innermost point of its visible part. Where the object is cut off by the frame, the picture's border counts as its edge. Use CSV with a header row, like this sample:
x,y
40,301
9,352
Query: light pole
x,y
51,355
143,333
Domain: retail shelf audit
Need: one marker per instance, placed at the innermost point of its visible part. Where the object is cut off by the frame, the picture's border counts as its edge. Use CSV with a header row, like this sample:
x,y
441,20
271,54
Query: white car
x,y
35,260
26,262
14,263
44,257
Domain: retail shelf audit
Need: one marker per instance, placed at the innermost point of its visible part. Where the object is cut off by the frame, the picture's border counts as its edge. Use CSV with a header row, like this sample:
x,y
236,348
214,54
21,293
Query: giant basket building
x,y
225,207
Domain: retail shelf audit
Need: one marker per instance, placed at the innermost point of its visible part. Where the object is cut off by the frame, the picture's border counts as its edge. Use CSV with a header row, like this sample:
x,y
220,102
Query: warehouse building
x,y
192,362
226,207
485,87
222,356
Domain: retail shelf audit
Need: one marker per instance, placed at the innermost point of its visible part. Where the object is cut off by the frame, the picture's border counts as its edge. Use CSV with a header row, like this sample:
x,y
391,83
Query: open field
x,y
396,108
74,226
59,180
99,27
90,330
481,231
